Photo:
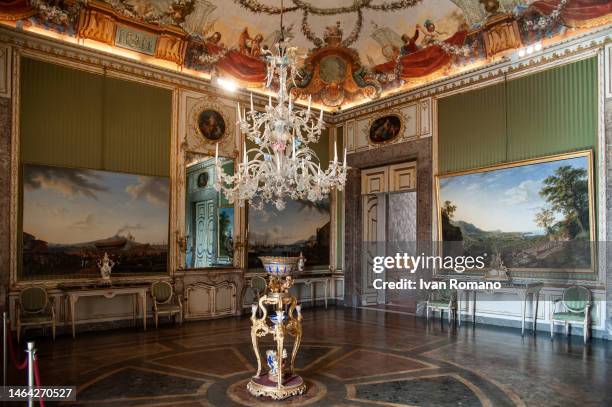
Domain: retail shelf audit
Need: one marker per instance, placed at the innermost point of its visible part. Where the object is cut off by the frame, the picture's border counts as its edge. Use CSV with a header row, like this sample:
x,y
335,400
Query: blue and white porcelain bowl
x,y
280,266
276,320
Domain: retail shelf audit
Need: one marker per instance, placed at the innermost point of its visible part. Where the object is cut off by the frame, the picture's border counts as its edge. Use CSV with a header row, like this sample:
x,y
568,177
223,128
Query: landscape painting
x,y
72,217
303,226
537,215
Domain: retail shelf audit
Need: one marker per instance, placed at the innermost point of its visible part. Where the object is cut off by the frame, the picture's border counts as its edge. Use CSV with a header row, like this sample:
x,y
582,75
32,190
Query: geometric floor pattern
x,y
348,357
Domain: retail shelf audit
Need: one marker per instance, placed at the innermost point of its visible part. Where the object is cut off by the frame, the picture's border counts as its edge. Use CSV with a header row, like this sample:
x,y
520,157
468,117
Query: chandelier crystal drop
x,y
282,165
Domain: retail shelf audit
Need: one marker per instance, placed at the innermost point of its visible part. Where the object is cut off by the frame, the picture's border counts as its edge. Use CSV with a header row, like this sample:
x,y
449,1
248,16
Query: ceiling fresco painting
x,y
353,50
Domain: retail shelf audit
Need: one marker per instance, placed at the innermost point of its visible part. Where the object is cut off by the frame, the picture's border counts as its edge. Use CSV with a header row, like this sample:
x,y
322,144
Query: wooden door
x,y
374,236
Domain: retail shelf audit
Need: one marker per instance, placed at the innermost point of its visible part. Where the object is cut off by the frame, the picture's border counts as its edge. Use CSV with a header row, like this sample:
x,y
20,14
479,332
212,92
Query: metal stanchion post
x,y
4,347
31,385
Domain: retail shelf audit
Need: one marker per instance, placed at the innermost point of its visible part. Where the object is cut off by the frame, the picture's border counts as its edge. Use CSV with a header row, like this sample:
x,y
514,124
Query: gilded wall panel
x,y
425,117
405,122
410,126
194,135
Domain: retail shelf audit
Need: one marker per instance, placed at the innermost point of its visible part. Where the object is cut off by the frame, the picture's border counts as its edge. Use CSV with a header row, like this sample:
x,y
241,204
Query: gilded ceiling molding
x,y
99,21
67,53
558,54
84,58
394,48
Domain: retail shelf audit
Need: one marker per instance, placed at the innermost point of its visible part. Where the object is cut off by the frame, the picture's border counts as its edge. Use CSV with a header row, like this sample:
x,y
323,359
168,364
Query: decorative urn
x,y
280,266
277,314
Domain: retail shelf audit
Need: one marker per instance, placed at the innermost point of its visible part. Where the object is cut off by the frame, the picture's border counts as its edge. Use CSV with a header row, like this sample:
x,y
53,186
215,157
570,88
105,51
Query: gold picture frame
x,y
213,106
586,154
388,114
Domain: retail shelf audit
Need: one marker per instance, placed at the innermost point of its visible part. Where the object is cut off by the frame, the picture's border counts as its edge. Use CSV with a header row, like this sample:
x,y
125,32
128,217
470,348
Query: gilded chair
x,y
440,300
576,304
165,301
35,309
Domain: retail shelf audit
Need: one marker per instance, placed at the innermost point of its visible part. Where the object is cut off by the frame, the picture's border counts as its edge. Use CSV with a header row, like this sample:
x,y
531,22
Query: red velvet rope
x,y
37,380
18,365
24,364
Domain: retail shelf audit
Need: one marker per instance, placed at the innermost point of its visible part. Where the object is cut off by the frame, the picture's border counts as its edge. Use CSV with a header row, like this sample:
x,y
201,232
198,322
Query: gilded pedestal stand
x,y
283,319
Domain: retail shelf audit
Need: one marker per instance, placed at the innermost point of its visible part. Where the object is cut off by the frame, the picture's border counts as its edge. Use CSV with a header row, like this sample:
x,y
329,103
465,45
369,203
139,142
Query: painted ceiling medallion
x,y
334,73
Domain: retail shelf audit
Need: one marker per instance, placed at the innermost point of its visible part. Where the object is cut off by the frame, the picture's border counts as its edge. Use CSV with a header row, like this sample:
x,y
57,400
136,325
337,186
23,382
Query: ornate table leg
x,y
258,326
143,300
327,282
280,347
296,331
72,300
474,307
459,292
523,295
312,294
536,299
134,308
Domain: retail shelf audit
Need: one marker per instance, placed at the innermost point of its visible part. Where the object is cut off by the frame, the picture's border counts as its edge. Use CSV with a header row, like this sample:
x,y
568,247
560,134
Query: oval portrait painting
x,y
385,128
211,124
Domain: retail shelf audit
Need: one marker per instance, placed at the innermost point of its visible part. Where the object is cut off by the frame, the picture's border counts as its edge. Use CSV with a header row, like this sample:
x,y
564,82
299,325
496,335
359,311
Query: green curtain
x,y
137,127
72,118
60,115
472,129
554,111
546,113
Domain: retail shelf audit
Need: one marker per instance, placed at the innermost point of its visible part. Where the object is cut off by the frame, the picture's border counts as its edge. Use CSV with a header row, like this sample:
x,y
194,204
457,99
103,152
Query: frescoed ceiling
x,y
353,50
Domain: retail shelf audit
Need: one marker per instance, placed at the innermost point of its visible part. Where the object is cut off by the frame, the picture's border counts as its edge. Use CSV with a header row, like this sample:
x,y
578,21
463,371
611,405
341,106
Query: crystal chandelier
x,y
282,165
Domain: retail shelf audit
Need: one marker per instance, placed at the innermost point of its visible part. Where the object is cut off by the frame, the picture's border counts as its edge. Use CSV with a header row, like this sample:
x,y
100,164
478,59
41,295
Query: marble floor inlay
x,y
349,357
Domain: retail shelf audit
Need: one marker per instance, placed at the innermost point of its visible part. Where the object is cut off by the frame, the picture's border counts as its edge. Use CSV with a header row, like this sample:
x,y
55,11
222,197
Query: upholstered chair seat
x,y
36,318
569,316
168,307
575,304
438,303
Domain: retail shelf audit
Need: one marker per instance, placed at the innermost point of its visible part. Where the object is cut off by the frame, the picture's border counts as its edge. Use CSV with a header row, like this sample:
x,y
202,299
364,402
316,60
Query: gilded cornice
x,y
97,60
94,60
560,53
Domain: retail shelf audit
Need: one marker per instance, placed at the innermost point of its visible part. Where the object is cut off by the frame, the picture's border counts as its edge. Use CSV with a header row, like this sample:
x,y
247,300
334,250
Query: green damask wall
x,y
72,118
546,113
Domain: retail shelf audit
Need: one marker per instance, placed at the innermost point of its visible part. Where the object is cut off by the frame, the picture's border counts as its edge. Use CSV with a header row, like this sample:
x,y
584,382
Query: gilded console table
x,y
73,296
522,289
312,281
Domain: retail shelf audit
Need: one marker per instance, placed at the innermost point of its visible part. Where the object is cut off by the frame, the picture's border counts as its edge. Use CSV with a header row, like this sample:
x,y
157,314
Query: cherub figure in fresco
x,y
430,34
249,46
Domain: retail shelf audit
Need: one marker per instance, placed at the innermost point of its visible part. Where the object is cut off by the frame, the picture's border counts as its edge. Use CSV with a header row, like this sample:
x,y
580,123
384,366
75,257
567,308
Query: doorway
x,y
389,227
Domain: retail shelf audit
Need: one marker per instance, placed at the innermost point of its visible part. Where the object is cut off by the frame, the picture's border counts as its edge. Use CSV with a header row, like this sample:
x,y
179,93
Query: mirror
x,y
209,217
